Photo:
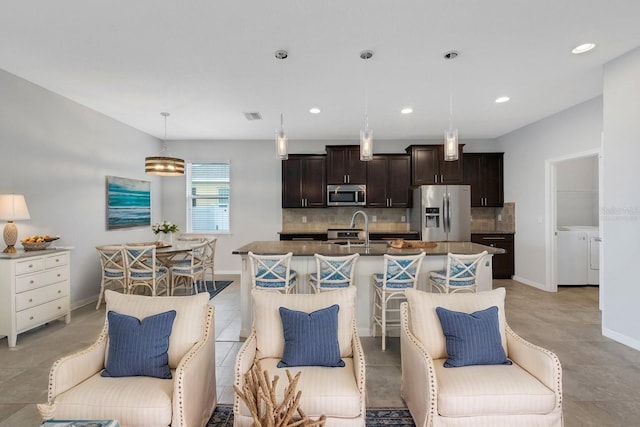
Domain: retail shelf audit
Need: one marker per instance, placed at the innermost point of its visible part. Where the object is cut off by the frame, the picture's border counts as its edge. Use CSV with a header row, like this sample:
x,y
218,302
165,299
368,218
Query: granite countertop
x,y
377,248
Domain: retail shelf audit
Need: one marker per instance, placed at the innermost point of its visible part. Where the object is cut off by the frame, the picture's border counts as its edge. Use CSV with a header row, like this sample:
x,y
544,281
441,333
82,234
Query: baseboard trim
x,y
622,339
531,283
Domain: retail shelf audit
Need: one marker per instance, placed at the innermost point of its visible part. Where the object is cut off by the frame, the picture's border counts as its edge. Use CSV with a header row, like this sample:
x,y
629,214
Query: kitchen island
x,y
370,261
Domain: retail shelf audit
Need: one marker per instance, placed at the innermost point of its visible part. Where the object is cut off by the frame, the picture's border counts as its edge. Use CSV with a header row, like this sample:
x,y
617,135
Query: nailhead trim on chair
x,y
361,368
101,338
552,355
179,374
238,374
433,385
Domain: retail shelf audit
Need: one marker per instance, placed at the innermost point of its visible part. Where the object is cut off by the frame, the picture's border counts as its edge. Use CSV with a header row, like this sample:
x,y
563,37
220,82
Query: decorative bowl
x,y
35,246
38,246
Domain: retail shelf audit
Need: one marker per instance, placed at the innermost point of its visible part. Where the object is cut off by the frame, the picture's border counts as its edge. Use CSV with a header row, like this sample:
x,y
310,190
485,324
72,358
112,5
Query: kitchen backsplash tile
x,y
320,219
485,220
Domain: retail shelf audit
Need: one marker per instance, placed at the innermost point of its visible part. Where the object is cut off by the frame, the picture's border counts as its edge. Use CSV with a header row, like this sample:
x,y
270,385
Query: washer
x,y
578,255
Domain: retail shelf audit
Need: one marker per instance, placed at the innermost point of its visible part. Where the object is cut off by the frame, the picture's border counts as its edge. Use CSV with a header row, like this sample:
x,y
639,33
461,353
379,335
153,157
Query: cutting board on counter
x,y
401,244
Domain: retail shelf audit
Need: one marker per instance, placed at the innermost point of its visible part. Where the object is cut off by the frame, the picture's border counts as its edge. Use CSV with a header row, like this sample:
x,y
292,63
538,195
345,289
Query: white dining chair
x,y
190,271
112,261
143,269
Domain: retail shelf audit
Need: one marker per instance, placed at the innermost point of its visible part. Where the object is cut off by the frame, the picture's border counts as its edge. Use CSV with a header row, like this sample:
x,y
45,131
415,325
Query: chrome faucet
x,y
366,225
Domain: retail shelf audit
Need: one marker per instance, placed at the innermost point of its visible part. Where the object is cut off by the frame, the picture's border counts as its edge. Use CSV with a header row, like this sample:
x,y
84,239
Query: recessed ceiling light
x,y
406,110
502,99
314,110
586,47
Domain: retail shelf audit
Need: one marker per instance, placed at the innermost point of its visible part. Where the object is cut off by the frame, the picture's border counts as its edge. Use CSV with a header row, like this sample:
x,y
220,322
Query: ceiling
x,y
209,62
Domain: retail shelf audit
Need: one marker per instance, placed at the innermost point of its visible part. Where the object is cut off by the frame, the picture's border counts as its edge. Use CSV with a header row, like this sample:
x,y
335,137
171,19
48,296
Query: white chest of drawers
x,y
34,289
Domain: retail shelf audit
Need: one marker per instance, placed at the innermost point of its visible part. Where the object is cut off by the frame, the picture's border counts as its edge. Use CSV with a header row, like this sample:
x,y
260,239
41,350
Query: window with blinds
x,y
208,197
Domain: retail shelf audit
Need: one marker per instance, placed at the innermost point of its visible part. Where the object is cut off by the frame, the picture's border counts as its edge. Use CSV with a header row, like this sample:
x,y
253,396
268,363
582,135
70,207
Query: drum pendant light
x,y
164,164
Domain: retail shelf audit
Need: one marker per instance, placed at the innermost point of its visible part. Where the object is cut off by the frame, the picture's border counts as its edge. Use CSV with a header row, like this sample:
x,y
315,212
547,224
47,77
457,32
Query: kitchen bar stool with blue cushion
x,y
335,272
459,275
143,269
401,272
272,272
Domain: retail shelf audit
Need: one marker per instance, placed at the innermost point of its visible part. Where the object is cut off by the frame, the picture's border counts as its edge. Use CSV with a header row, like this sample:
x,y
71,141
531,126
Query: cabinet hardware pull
x,y
30,317
493,238
57,260
59,308
30,299
31,282
58,274
30,265
59,291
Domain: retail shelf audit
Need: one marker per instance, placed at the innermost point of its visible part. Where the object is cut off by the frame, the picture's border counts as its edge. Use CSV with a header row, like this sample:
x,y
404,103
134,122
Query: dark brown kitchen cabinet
x,y
484,173
344,165
389,181
503,264
303,181
429,167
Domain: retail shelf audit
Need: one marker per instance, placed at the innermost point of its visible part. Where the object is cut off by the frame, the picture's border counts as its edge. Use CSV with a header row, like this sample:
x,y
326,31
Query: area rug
x,y
223,417
220,285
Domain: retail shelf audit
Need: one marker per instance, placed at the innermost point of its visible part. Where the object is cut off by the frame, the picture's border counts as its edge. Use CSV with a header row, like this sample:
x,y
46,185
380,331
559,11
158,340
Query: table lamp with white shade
x,y
12,207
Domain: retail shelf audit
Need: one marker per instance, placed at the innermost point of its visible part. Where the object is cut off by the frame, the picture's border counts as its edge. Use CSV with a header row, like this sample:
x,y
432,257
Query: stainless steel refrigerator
x,y
442,212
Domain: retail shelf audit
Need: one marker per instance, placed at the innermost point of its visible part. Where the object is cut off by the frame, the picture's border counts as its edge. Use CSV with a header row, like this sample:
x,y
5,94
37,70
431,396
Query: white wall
x,y
620,220
58,153
577,191
574,130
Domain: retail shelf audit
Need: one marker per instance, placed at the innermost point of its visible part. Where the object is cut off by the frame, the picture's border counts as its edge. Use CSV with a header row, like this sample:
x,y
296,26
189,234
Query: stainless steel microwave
x,y
346,195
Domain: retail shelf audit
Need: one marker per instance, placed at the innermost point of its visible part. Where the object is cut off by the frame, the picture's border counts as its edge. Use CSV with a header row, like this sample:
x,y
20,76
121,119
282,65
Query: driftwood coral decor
x,y
259,394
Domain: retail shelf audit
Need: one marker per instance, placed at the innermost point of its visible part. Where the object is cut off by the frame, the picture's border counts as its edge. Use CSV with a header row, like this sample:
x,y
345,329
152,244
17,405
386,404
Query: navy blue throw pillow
x,y
139,348
310,339
472,339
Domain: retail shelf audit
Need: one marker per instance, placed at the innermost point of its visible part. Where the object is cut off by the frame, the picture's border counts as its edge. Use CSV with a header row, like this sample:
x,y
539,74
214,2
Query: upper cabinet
x,y
344,165
483,171
429,167
389,181
303,181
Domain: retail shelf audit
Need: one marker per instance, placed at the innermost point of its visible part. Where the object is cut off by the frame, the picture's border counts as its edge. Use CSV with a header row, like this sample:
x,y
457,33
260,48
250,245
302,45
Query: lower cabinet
x,y
34,289
503,264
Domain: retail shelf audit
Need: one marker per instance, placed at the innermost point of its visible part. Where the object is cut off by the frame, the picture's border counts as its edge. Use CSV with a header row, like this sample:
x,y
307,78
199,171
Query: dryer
x,y
578,248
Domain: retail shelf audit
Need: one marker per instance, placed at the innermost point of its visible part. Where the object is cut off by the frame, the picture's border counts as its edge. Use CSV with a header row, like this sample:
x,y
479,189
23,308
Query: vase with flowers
x,y
166,230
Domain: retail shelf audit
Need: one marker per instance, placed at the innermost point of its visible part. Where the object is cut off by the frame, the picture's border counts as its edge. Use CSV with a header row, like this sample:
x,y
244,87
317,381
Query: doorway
x,y
574,197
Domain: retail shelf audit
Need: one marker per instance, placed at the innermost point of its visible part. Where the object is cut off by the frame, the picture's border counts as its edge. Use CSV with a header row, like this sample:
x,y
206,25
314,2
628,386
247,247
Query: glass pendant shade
x,y
281,145
451,145
282,142
366,145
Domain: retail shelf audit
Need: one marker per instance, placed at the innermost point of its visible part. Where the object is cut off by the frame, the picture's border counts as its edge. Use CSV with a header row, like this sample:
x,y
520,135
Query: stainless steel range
x,y
345,234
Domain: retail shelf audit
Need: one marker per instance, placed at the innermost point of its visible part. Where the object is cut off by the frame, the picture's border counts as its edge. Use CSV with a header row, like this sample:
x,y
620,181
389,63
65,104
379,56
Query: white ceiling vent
x,y
253,116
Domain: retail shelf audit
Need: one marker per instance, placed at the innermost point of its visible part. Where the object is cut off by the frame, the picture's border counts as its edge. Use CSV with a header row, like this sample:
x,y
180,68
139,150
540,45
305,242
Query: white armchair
x,y
339,393
78,391
526,393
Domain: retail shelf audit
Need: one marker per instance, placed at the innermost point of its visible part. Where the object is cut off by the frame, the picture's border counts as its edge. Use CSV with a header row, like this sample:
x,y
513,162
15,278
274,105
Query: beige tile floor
x,y
601,377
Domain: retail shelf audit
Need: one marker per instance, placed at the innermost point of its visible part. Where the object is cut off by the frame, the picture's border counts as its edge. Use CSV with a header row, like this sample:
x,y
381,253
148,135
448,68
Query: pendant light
x,y
282,141
451,134
164,164
366,135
